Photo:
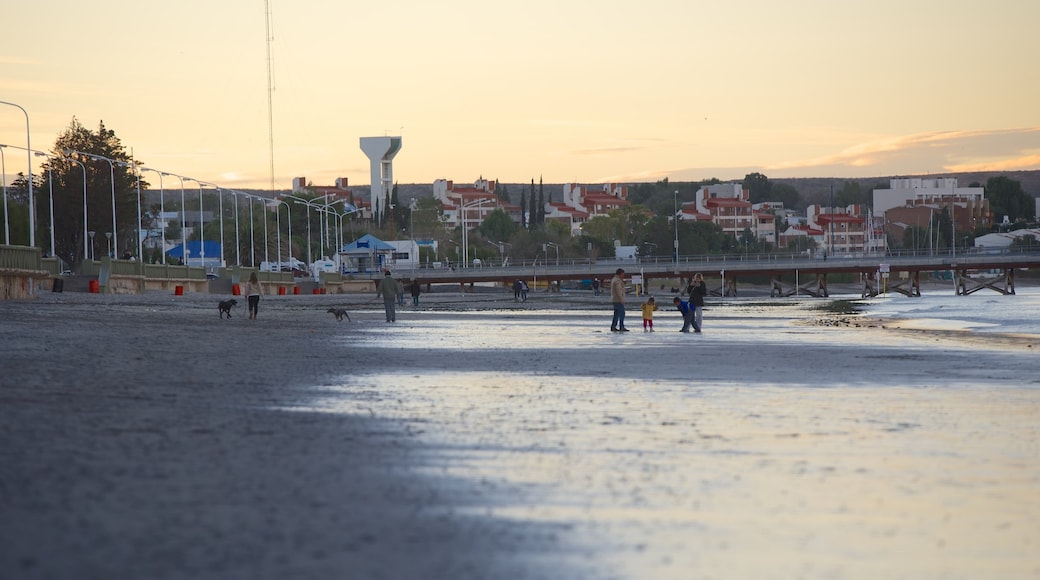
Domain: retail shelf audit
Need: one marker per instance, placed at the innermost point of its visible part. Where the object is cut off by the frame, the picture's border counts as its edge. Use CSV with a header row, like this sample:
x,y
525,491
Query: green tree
x,y
849,194
497,226
67,178
758,186
786,194
1006,198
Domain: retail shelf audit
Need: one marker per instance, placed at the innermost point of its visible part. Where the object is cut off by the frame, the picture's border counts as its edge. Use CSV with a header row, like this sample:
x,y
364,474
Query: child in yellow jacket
x,y
648,314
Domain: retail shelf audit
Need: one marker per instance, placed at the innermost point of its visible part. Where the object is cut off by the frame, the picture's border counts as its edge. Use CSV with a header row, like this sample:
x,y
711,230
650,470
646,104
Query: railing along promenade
x,y
728,268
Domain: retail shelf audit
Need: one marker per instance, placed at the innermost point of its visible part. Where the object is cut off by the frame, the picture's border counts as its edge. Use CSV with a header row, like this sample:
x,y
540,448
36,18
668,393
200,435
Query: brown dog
x,y
340,313
224,307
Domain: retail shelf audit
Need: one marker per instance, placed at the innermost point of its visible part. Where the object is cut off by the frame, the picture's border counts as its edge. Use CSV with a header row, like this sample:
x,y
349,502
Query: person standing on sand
x,y
253,291
389,289
648,314
617,298
698,290
416,291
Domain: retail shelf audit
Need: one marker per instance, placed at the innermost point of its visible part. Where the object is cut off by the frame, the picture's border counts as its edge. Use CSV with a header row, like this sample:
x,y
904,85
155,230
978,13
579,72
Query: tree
x,y
497,226
849,194
758,187
67,178
1006,198
786,194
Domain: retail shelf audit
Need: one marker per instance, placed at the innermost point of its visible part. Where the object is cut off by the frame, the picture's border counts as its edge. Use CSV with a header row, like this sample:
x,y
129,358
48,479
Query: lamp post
x,y
137,174
309,203
109,236
84,168
202,229
278,225
93,254
675,218
465,231
547,245
50,196
3,168
28,155
112,174
162,210
238,257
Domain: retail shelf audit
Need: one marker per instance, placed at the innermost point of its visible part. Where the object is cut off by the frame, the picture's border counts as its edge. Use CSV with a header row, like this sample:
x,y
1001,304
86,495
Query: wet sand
x,y
143,437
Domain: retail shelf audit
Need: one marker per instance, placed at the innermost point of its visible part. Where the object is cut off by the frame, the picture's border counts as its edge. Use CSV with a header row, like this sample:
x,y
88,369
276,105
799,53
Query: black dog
x,y
225,307
340,313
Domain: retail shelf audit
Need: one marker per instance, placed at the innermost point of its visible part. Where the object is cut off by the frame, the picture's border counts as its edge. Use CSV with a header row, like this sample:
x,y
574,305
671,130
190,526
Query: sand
x,y
143,437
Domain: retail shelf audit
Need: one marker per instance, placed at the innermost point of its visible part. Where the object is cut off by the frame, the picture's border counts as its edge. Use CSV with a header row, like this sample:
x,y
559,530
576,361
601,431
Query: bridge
x,y
900,272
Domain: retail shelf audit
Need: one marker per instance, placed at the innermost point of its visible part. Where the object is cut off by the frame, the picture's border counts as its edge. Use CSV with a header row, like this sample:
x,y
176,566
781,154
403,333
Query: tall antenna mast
x,y
270,88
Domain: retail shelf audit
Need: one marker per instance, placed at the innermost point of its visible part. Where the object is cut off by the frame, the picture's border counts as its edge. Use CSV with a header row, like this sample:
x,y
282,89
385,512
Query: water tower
x,y
381,152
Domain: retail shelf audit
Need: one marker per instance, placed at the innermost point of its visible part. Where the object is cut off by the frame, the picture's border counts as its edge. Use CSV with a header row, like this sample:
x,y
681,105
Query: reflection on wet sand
x,y
762,449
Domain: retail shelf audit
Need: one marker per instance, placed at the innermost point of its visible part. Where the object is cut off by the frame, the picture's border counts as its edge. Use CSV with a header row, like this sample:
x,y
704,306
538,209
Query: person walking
x,y
686,310
416,291
524,289
389,289
595,286
253,293
648,314
617,298
698,290
516,290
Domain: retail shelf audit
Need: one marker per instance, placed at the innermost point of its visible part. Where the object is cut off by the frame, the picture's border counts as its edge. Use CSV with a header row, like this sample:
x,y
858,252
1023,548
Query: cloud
x,y
939,151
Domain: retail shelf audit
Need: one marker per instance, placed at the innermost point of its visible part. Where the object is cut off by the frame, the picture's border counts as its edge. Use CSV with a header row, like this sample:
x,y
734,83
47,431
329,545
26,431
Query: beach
x,y
144,437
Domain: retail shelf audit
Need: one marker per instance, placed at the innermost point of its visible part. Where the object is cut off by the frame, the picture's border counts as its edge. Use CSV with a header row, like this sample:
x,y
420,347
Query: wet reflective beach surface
x,y
778,444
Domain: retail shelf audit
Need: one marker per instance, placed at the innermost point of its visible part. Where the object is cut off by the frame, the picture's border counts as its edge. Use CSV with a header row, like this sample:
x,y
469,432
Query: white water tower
x,y
380,152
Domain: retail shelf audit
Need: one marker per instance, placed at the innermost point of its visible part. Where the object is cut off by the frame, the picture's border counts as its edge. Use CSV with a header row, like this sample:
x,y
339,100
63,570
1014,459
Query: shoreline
x,y
146,437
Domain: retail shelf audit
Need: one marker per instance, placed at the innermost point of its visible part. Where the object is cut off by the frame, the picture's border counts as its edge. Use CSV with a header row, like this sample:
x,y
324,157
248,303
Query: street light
x,y
675,218
84,168
278,226
50,196
162,210
112,174
3,168
137,174
93,254
28,155
465,231
551,245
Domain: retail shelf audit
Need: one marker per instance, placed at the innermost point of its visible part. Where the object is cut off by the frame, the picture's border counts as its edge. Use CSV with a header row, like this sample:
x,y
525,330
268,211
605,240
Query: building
x,y
914,203
845,230
471,204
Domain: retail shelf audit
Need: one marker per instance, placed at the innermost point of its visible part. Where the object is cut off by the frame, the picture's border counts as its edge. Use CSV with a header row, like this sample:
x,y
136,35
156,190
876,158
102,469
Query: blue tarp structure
x,y
366,254
365,245
195,250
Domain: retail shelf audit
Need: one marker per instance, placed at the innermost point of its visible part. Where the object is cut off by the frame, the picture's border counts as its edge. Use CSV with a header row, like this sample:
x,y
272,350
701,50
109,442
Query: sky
x,y
580,91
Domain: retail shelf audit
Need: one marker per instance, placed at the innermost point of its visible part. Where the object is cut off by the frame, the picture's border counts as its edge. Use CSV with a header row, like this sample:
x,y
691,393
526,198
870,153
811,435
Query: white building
x,y
918,191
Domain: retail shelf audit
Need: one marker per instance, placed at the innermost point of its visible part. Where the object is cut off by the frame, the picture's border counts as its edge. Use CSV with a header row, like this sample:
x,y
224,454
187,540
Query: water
x,y
775,445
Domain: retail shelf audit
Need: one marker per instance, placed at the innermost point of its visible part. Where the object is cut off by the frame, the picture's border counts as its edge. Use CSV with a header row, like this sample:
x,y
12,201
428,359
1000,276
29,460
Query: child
x,y
687,313
648,314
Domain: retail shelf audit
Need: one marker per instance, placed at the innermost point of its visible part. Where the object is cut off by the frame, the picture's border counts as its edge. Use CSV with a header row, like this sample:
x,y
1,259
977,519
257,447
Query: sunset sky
x,y
564,90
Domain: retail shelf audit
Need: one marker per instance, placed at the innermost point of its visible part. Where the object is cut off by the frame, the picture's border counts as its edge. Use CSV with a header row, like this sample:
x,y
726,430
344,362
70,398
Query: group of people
x,y
520,290
691,308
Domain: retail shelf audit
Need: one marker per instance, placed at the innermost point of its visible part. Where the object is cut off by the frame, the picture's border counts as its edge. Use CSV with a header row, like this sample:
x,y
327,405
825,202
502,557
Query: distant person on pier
x,y
517,286
524,289
595,286
617,298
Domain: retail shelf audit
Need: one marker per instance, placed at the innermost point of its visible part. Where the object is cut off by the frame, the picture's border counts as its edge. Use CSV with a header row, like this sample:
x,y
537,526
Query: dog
x,y
224,307
340,313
